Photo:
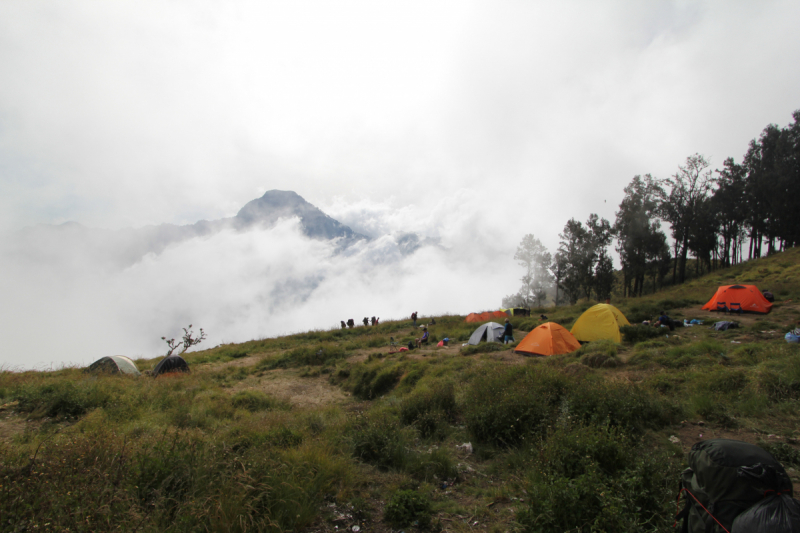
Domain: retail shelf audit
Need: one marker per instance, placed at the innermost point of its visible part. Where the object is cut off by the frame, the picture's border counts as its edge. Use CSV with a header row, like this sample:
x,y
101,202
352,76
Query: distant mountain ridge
x,y
127,246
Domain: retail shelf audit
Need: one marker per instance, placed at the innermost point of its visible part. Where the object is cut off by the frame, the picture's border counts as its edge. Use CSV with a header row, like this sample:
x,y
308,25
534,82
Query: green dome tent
x,y
114,364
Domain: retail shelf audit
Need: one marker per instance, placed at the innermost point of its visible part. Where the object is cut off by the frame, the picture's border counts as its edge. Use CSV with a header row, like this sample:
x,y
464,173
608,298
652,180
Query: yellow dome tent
x,y
601,321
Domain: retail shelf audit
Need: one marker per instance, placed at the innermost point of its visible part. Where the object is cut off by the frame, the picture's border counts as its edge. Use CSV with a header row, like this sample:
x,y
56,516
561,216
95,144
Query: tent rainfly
x,y
487,315
548,339
489,332
173,363
739,299
114,364
601,321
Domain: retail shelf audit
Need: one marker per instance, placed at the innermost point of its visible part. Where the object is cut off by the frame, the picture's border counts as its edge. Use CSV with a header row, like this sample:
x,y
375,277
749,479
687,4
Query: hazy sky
x,y
471,122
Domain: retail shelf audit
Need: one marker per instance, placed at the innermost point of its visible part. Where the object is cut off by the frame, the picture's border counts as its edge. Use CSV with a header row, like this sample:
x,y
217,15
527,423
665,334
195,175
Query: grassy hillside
x,y
327,430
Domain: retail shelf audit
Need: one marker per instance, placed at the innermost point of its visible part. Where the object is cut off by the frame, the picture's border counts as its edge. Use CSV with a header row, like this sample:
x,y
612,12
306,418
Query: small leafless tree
x,y
187,342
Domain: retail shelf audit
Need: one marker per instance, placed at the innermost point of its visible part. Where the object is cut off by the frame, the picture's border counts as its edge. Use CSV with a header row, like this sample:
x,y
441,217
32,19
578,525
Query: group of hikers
x,y
374,321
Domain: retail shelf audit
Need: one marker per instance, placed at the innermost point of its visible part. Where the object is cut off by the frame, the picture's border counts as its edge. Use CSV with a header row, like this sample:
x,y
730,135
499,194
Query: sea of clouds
x,y
72,295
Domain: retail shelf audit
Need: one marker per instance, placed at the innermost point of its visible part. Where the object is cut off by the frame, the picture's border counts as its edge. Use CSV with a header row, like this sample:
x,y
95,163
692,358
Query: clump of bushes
x,y
519,405
322,354
640,333
784,453
253,400
408,507
380,440
626,406
506,407
430,410
596,479
64,399
485,347
368,382
599,354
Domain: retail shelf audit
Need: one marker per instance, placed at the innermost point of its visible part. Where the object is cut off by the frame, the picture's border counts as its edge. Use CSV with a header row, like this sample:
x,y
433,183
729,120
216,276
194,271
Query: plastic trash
x,y
467,447
792,338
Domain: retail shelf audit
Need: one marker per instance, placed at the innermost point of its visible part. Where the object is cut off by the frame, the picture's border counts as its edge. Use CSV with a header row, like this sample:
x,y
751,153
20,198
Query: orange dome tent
x,y
739,298
485,316
548,339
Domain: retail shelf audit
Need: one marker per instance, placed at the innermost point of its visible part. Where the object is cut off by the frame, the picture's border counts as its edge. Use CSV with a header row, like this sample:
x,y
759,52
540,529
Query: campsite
x,y
328,431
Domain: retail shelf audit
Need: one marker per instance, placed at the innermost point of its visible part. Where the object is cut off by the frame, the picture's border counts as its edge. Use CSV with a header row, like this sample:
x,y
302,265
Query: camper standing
x,y
508,334
414,318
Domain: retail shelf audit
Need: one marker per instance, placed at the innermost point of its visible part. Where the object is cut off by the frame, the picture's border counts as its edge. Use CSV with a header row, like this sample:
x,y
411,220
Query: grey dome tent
x,y
114,364
172,363
489,332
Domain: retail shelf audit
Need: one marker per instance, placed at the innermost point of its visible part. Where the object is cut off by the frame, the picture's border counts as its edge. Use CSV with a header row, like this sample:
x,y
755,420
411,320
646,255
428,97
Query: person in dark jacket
x,y
664,320
508,334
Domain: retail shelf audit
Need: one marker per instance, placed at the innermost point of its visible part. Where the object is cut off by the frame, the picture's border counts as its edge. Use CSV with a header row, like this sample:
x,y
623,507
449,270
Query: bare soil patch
x,y
299,391
11,426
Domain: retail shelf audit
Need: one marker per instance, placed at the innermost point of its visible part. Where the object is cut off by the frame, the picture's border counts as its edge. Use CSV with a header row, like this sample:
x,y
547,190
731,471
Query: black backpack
x,y
726,477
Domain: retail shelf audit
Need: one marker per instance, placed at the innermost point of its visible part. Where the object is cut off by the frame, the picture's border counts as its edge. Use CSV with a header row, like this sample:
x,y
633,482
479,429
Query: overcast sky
x,y
471,122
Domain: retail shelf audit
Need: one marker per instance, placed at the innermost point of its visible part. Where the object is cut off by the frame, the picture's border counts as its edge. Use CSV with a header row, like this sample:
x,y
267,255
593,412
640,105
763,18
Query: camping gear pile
x,y
738,299
736,487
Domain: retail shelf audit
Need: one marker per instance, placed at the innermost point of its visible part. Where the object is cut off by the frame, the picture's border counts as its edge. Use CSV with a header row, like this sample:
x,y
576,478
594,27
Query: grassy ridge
x,y
578,442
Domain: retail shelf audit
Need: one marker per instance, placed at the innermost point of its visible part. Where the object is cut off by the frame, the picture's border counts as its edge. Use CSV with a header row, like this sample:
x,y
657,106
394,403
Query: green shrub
x,y
63,398
322,354
508,406
723,380
380,441
432,465
712,408
485,347
430,409
574,449
412,378
622,405
371,382
636,495
639,333
408,507
668,304
787,455
598,354
254,400
777,386
642,311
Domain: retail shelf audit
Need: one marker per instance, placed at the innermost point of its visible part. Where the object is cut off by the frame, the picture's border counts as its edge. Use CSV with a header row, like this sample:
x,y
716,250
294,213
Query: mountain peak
x,y
277,204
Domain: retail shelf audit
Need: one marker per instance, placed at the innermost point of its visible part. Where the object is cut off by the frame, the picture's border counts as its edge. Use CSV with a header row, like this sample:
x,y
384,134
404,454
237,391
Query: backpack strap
x,y
709,526
683,514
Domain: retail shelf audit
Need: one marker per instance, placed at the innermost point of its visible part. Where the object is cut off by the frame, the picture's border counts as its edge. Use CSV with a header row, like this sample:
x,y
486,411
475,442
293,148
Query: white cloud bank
x,y
60,307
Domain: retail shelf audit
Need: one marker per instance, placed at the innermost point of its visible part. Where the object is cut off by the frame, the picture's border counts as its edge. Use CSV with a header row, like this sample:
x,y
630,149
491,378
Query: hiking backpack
x,y
726,477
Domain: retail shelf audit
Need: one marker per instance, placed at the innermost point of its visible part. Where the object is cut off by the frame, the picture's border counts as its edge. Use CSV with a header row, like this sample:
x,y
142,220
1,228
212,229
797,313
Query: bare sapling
x,y
187,342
